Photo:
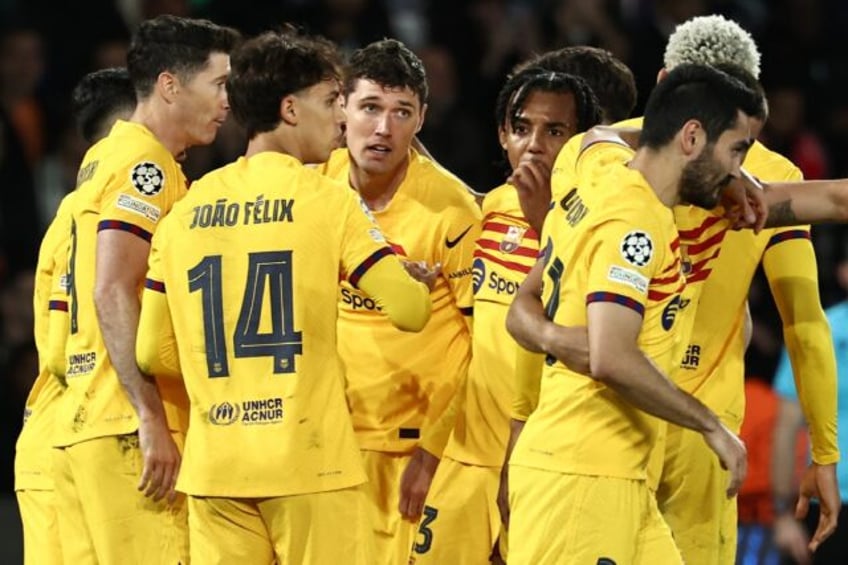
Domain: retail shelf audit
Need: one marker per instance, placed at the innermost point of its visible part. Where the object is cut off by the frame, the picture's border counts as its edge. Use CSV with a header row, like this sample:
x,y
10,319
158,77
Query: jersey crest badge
x,y
637,248
148,178
512,239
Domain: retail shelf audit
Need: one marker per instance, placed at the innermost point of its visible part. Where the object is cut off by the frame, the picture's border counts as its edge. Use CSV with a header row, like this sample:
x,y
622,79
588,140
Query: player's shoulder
x,y
129,143
503,198
769,165
437,187
623,194
567,157
337,165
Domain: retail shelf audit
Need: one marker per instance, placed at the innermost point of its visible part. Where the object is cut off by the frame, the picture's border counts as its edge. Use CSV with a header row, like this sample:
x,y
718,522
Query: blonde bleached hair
x,y
712,40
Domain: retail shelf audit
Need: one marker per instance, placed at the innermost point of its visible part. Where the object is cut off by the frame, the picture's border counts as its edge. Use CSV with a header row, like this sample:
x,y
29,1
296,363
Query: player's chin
x,y
207,136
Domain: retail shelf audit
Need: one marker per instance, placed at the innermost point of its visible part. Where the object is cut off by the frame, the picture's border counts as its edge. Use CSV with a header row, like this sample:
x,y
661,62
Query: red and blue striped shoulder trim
x,y
787,235
154,285
369,262
634,305
124,226
61,305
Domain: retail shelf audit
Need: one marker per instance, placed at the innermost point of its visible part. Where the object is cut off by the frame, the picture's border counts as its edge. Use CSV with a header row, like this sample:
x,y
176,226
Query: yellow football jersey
x,y
128,181
504,254
33,451
399,383
613,242
717,350
250,262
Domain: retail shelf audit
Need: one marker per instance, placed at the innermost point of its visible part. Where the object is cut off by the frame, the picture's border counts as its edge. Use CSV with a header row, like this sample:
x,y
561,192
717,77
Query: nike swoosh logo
x,y
451,243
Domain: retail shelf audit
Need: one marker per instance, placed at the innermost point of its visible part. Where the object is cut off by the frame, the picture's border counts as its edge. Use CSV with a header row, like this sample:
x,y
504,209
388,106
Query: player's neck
x,y
268,141
162,126
377,190
662,171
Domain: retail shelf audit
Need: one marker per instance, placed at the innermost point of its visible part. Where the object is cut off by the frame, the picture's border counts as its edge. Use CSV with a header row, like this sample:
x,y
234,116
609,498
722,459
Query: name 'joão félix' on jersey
x,y
260,211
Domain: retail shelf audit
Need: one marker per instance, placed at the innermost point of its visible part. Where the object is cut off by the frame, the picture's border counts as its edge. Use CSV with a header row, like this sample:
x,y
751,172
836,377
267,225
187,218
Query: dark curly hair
x,y
271,66
389,63
519,86
609,78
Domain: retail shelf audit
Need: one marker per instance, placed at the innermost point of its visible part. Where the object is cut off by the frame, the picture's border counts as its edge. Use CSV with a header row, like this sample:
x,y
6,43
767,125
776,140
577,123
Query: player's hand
x,y
532,180
791,538
732,454
819,481
569,345
745,203
503,495
415,483
161,459
422,272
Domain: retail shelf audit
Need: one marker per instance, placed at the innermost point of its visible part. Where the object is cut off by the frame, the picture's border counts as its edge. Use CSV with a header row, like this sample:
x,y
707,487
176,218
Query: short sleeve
x,y
624,255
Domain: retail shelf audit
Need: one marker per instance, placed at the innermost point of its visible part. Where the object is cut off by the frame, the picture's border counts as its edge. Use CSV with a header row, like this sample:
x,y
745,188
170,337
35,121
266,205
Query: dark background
x,y
467,47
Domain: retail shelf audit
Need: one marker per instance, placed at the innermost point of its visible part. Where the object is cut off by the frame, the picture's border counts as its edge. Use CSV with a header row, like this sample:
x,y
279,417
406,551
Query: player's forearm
x,y
404,300
528,373
635,378
810,202
789,421
810,348
118,315
526,322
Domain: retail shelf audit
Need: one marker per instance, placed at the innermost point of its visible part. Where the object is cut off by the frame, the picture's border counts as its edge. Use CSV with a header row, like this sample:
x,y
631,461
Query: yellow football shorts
x,y
42,543
691,497
460,523
393,535
103,517
325,527
563,519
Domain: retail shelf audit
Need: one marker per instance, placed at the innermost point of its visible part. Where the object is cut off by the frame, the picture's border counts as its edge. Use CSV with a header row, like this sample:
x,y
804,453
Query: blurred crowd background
x,y
468,46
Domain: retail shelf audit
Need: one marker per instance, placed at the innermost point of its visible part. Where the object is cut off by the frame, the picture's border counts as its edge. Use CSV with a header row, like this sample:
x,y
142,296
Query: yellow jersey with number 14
x,y
249,263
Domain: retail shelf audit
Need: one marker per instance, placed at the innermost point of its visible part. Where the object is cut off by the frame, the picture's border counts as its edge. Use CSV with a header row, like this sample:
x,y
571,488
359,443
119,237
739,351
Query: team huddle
x,y
332,351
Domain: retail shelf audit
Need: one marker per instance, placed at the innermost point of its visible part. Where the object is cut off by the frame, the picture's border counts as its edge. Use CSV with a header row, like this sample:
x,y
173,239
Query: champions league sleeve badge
x,y
637,248
148,178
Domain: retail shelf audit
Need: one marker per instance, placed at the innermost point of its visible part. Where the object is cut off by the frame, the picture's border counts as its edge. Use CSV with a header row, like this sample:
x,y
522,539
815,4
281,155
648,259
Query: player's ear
x,y
661,74
692,138
421,117
167,85
502,138
289,110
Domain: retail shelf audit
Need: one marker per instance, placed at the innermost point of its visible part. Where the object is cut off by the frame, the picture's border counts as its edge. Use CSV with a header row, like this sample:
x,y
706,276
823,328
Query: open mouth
x,y
379,149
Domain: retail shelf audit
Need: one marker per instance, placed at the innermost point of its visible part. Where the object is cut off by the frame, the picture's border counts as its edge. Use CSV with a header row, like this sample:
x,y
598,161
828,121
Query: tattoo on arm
x,y
781,214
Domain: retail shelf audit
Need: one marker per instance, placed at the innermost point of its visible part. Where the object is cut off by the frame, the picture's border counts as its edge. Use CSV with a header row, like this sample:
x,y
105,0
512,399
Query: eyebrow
x,y
743,144
524,120
373,98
